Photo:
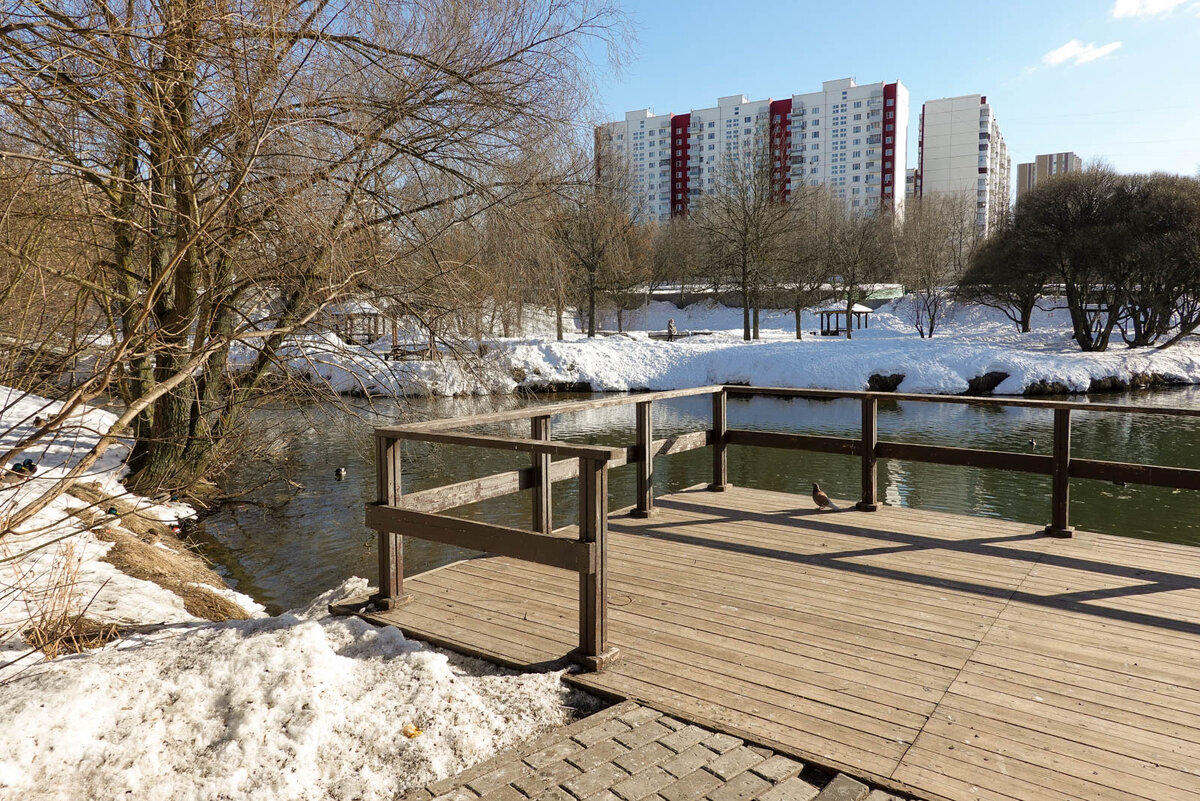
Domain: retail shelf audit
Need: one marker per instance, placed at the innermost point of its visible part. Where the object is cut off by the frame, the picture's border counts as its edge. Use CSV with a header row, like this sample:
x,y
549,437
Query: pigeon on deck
x,y
822,500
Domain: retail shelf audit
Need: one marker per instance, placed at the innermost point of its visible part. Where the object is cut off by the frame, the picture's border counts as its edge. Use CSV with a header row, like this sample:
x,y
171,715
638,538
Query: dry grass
x,y
57,625
173,566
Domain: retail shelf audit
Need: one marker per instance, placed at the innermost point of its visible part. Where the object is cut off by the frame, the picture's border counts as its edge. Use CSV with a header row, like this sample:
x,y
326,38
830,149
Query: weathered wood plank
x,y
541,549
965,457
540,481
967,400
562,450
720,440
1148,474
803,442
567,407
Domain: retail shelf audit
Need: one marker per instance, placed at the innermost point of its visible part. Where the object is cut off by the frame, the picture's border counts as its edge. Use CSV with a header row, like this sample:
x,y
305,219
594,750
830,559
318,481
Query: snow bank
x,y
973,342
54,535
302,706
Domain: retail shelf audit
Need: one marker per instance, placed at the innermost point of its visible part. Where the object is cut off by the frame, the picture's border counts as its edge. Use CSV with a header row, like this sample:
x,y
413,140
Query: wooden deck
x,y
953,657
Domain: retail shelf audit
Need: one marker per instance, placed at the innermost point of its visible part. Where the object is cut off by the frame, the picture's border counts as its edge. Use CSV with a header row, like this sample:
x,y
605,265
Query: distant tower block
x,y
1044,167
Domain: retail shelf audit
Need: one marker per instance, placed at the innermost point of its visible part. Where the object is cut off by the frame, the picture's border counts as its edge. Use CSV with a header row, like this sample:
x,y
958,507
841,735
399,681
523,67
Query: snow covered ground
x,y
973,342
300,706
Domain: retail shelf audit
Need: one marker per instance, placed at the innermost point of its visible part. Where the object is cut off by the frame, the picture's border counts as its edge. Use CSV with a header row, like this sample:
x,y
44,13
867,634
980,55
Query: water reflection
x,y
302,531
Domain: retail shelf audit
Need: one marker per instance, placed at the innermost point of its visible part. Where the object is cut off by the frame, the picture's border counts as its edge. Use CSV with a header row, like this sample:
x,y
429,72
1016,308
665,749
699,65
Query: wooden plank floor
x,y
954,657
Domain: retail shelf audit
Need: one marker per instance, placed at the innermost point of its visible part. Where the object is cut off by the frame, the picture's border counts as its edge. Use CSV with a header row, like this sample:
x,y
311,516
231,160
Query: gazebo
x,y
833,320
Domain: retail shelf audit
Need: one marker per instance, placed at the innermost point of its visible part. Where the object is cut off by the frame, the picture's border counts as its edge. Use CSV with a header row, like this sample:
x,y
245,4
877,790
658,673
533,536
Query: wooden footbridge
x,y
940,655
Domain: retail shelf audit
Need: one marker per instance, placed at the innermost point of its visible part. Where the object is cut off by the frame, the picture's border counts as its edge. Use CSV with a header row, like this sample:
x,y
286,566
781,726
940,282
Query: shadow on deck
x,y
947,656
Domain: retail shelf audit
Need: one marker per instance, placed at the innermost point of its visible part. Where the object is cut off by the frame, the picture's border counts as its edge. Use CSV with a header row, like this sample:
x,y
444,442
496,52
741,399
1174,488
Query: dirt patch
x,y
1044,387
984,384
147,549
884,383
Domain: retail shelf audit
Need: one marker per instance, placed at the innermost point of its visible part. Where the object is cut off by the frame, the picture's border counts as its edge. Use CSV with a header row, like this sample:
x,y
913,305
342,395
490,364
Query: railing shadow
x,y
1151,581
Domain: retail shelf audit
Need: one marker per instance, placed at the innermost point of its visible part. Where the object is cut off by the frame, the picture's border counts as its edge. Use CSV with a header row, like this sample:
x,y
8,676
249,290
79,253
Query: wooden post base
x,y
395,602
598,663
641,514
1061,533
718,487
866,507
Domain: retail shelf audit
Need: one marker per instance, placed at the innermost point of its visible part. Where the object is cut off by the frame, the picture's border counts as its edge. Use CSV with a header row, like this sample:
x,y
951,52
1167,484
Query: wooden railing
x,y
419,514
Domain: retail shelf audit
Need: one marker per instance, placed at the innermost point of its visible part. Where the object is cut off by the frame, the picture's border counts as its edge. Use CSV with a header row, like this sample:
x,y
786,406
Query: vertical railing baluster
x,y
645,464
594,651
543,488
1060,492
870,438
391,544
720,480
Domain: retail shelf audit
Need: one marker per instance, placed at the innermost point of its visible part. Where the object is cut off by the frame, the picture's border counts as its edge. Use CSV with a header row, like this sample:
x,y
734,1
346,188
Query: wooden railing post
x,y
1060,493
870,438
594,651
645,465
720,480
543,488
391,544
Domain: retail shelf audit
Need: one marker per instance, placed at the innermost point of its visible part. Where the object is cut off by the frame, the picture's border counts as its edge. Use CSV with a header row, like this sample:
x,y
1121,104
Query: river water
x,y
300,531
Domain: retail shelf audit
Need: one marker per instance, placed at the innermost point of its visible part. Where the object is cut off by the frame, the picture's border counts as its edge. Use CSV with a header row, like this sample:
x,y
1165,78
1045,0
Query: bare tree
x,y
932,247
228,170
856,253
744,227
595,230
1000,277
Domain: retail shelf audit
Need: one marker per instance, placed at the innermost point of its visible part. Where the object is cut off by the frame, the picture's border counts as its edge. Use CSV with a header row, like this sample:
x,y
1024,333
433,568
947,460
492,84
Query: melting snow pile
x,y
34,555
300,706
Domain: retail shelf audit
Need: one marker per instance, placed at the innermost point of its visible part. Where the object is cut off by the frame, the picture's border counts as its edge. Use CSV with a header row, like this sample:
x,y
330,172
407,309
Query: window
x,y
891,101
856,166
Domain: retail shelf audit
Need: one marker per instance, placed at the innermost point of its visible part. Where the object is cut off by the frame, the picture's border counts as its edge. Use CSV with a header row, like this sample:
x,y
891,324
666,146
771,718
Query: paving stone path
x,y
631,752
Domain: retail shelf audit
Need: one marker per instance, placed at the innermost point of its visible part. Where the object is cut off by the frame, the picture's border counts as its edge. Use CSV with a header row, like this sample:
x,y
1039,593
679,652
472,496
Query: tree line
x,y
1121,252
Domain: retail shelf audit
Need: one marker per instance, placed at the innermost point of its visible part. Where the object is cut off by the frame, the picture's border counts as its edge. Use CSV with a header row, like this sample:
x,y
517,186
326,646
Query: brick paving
x,y
631,752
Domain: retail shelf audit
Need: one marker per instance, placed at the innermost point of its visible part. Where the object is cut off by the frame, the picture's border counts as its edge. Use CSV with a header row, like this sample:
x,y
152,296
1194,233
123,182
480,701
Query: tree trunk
x,y
558,315
756,321
799,322
620,320
591,310
849,318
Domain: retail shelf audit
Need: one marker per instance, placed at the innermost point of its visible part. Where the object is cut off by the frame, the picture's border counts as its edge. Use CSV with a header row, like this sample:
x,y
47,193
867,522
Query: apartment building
x,y
851,138
1045,166
962,151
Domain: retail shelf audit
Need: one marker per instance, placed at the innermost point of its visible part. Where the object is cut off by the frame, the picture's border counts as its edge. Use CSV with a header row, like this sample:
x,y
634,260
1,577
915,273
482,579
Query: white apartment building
x,y
962,151
851,138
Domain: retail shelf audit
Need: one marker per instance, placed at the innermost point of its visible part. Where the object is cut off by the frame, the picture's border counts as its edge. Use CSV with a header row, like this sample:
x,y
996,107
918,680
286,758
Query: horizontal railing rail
x,y
421,513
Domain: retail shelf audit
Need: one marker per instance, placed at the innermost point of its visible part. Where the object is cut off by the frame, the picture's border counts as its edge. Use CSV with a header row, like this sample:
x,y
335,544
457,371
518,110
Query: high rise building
x,y
962,151
851,138
1045,166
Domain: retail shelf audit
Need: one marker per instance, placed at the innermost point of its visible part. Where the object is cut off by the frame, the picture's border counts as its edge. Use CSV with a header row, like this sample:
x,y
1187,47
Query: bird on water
x,y
821,499
340,473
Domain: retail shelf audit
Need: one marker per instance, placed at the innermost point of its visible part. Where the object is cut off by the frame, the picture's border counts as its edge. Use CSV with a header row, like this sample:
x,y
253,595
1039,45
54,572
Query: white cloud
x,y
1078,52
1144,8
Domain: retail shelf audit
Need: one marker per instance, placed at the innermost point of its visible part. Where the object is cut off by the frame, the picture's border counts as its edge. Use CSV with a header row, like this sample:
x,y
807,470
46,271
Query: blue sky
x,y
1111,79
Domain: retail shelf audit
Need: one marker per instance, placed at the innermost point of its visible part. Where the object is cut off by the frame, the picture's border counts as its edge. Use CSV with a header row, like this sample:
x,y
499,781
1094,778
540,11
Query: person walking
x,y
671,330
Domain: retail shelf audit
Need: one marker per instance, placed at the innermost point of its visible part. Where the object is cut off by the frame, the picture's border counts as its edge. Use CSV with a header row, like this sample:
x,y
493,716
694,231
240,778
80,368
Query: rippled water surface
x,y
301,532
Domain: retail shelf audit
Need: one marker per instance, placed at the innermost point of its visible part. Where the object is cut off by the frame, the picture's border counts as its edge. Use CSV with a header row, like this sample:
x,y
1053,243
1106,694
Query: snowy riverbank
x,y
299,706
977,349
